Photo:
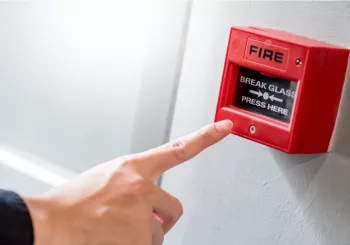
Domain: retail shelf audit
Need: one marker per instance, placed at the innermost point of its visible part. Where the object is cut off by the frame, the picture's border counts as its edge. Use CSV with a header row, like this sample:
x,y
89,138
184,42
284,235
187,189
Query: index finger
x,y
155,162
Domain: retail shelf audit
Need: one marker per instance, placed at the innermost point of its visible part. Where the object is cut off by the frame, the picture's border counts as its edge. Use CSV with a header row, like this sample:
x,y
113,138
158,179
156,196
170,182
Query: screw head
x,y
298,61
252,129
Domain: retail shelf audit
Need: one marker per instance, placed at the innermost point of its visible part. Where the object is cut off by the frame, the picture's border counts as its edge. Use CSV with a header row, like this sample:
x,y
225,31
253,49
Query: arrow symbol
x,y
273,98
259,94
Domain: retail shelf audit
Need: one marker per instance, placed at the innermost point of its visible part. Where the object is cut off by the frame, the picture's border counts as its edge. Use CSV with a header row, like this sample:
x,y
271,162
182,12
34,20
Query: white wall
x,y
240,192
26,185
79,80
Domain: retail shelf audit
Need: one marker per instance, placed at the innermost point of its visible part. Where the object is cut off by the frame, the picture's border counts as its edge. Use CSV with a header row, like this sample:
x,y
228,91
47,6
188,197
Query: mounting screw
x,y
252,129
298,61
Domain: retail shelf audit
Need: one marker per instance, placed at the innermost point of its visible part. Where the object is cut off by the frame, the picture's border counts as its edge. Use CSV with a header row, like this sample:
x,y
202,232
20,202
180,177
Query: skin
x,y
117,202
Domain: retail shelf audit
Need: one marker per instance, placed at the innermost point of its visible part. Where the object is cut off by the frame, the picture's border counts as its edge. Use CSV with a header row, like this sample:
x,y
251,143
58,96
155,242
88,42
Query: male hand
x,y
117,203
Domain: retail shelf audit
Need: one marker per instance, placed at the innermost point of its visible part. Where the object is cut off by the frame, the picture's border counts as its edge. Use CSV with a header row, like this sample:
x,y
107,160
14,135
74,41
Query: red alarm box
x,y
281,90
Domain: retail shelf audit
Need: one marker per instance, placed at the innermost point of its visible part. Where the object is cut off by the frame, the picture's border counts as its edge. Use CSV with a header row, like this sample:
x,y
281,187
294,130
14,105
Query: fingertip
x,y
224,126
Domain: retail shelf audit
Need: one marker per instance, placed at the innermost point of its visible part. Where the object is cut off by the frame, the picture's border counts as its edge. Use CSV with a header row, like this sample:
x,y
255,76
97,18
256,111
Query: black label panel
x,y
268,96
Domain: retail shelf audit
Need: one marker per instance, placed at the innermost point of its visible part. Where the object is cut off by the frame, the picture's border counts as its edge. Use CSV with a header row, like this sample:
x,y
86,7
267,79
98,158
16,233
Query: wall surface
x,y
240,192
78,79
26,185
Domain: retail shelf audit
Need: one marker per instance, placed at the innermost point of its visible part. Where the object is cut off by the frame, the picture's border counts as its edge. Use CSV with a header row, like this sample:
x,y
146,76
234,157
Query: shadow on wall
x,y
341,137
321,182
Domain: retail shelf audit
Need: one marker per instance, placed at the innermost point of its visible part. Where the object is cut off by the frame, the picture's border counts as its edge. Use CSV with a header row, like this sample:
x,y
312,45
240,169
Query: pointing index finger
x,y
155,162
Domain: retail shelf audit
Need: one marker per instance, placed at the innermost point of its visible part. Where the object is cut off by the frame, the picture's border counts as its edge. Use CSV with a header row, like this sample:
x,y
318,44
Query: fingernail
x,y
224,126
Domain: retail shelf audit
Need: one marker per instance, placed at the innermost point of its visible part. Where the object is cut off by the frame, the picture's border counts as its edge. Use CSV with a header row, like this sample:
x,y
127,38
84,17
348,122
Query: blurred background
x,y
82,82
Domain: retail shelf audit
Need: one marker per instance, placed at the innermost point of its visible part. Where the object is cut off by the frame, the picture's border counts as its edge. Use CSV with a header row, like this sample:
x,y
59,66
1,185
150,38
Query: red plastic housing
x,y
317,68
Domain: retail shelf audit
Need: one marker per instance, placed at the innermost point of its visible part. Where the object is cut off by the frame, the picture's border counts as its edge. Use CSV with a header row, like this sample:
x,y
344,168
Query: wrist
x,y
39,209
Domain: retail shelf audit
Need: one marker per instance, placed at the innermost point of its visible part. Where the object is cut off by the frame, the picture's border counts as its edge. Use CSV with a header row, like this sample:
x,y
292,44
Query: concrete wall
x,y
240,192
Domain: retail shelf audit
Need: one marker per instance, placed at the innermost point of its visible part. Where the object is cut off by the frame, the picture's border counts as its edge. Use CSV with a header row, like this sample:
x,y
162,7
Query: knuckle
x,y
176,208
114,177
205,137
127,162
140,186
179,150
136,192
102,211
179,207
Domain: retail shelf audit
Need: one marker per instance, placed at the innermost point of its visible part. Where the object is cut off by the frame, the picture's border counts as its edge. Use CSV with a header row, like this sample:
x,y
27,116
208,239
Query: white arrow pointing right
x,y
258,93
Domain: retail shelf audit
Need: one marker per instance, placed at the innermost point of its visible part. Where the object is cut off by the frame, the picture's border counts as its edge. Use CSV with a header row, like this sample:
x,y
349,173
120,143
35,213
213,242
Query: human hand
x,y
117,202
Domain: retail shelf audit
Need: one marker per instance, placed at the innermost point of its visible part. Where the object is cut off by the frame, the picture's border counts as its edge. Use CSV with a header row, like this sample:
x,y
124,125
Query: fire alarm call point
x,y
281,90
